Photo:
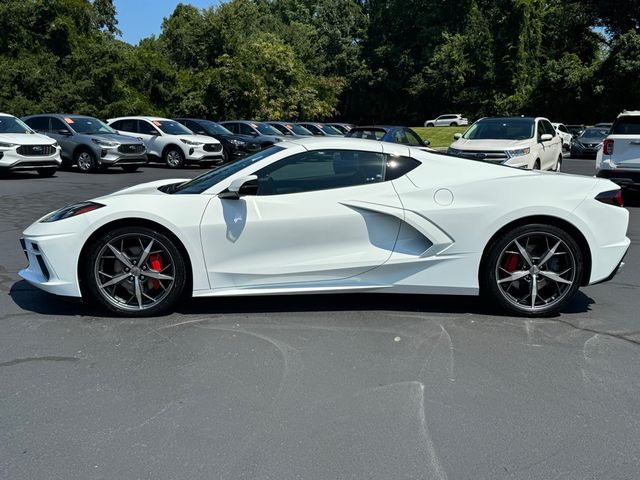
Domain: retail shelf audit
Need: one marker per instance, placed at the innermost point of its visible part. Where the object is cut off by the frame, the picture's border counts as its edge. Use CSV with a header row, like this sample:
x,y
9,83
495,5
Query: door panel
x,y
301,237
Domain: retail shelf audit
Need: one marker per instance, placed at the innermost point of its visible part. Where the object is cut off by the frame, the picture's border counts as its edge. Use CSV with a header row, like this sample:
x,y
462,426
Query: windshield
x,y
212,177
265,129
501,129
329,130
215,128
89,126
172,128
13,125
298,129
595,132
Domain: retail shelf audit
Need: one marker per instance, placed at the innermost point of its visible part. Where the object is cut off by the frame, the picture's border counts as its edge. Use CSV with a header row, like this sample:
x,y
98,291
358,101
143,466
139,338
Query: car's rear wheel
x,y
453,124
136,271
47,172
86,161
173,157
130,168
532,270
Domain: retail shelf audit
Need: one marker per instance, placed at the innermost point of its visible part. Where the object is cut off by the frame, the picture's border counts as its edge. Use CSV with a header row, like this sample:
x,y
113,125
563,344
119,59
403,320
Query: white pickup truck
x,y
619,157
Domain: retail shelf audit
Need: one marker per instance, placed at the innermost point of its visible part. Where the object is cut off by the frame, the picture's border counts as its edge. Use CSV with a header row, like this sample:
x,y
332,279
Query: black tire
x,y
130,168
568,253
536,165
225,155
126,239
453,124
47,172
429,125
85,160
173,157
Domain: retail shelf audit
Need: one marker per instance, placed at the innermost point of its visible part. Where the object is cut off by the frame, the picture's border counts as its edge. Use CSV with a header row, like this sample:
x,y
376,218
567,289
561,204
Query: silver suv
x,y
619,157
89,143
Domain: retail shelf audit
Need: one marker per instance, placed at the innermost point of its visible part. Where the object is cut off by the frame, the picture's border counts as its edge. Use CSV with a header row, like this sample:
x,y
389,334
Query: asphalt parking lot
x,y
311,387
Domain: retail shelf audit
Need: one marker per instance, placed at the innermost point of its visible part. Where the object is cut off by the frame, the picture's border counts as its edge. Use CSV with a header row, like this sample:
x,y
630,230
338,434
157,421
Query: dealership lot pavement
x,y
311,387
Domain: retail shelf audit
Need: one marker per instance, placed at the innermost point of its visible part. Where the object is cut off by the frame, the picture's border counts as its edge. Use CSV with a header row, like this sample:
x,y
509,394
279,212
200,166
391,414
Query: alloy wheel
x,y
134,272
535,271
85,161
174,159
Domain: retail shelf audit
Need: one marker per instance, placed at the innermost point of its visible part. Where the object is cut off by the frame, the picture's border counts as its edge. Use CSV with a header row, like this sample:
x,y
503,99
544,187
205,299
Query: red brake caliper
x,y
155,263
511,262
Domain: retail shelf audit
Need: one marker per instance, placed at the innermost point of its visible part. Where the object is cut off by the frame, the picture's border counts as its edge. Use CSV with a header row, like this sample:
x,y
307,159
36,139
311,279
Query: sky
x,y
141,18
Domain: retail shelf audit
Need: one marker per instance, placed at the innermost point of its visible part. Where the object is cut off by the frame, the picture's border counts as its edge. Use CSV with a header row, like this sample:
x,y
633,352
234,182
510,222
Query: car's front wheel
x,y
532,270
173,157
86,161
136,271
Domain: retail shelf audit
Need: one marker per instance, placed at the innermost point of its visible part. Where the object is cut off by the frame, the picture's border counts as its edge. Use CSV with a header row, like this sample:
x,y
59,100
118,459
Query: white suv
x,y
564,133
448,120
170,141
522,142
619,157
23,149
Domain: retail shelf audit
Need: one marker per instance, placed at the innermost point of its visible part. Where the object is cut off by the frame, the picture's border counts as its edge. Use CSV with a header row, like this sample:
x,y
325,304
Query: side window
x,y
400,137
40,124
57,125
398,166
321,170
245,129
232,126
412,139
563,129
146,128
549,128
540,130
126,125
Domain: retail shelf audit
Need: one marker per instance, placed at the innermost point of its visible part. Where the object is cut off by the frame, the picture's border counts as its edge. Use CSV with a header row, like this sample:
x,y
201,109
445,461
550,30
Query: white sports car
x,y
328,215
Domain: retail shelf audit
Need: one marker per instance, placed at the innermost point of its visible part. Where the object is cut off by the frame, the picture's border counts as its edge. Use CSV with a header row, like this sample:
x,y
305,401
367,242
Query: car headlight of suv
x,y
237,143
191,142
518,152
105,143
7,145
71,211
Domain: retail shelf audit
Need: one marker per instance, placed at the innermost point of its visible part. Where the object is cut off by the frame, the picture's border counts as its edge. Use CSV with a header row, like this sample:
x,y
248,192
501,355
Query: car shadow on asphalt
x,y
31,299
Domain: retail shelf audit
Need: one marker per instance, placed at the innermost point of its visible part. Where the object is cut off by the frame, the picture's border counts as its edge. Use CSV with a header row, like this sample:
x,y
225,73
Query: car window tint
x,y
396,166
400,137
57,125
126,125
626,125
321,170
549,128
193,126
146,128
413,139
245,129
39,123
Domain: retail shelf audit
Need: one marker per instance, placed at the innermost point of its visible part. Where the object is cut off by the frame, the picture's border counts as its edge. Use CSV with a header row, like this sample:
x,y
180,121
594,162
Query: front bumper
x,y
11,160
50,263
584,151
210,153
113,156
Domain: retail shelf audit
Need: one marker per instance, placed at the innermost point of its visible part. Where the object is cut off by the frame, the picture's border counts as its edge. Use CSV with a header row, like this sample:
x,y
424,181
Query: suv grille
x,y
212,147
485,156
131,149
36,150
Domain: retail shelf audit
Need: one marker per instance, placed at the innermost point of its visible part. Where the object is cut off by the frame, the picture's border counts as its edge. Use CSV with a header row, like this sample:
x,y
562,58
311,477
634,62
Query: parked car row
x,y
47,142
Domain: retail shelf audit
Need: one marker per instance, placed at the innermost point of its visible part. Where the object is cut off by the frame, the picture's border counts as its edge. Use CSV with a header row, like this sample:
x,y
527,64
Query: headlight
x,y
518,152
237,143
71,211
7,145
104,143
191,142
453,151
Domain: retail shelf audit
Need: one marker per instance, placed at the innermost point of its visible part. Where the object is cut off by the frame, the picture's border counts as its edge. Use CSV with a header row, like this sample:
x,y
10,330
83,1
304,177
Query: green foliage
x,y
366,61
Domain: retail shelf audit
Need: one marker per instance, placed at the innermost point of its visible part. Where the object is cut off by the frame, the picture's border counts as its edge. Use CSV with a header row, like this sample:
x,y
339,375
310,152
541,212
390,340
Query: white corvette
x,y
331,215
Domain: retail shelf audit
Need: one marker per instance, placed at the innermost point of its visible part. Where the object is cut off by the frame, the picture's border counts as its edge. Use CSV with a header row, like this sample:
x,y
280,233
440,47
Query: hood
x,y
26,139
111,137
150,188
196,138
465,144
597,140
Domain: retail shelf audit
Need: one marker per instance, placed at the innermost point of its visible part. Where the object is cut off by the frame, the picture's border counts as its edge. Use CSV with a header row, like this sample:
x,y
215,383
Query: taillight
x,y
607,146
612,197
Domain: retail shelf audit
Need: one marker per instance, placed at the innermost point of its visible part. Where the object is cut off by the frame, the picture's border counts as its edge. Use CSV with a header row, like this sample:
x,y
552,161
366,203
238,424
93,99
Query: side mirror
x,y
240,187
546,137
457,136
64,131
426,142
